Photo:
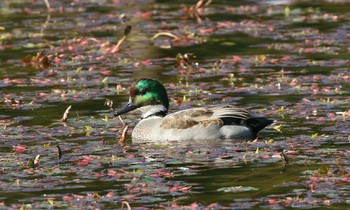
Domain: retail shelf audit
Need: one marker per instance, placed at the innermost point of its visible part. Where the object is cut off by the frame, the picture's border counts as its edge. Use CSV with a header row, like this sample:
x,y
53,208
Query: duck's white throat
x,y
152,110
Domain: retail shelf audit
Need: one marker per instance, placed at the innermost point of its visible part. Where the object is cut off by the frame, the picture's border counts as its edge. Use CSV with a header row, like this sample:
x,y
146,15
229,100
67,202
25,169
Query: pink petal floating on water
x,y
109,195
273,201
112,172
345,179
78,196
205,31
20,149
266,157
173,189
98,175
286,58
174,205
134,190
306,100
147,62
67,198
18,81
194,205
177,188
28,171
202,70
213,205
270,28
321,119
83,163
315,178
106,72
100,58
57,60
131,156
6,80
86,160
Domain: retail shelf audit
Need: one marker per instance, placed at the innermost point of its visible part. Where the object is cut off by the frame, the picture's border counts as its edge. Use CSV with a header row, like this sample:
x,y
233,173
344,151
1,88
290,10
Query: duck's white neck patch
x,y
150,110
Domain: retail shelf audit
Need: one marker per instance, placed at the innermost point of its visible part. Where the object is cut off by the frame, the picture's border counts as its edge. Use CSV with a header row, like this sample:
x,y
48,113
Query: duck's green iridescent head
x,y
145,92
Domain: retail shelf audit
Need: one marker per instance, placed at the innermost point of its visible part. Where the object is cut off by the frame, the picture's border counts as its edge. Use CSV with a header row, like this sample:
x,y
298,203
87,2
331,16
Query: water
x,y
286,60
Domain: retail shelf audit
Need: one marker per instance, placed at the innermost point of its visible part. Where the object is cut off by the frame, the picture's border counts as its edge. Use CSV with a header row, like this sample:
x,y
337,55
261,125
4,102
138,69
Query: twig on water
x,y
285,161
121,120
168,34
127,31
48,6
59,152
125,130
37,160
202,3
48,17
123,136
284,158
65,115
126,204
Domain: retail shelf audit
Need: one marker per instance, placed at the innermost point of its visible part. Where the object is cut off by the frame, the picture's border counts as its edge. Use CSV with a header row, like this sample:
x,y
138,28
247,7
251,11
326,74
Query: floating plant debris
x,y
287,61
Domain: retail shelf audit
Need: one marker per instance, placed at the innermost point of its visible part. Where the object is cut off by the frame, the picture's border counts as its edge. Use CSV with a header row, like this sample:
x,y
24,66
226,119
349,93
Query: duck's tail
x,y
258,123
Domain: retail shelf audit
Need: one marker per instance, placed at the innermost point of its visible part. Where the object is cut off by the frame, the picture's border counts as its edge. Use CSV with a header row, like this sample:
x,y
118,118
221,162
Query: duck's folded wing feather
x,y
220,115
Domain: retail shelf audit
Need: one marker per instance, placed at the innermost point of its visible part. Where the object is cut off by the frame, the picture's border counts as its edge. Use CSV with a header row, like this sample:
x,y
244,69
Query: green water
x,y
287,60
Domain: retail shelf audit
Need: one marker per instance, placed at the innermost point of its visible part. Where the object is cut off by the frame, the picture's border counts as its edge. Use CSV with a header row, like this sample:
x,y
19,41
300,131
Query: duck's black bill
x,y
127,108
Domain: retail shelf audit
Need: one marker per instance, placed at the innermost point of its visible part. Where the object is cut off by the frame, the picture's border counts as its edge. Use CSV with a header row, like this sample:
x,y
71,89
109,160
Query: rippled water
x,y
287,60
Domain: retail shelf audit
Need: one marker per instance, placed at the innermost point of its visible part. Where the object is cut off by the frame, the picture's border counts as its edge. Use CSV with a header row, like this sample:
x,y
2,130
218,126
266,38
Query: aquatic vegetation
x,y
66,65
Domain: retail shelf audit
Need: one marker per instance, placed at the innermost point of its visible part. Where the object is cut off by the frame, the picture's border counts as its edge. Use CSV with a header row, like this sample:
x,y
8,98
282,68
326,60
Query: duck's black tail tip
x,y
258,123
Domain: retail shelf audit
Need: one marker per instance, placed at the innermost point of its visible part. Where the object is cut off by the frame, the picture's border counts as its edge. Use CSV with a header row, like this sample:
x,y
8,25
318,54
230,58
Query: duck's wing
x,y
231,115
220,115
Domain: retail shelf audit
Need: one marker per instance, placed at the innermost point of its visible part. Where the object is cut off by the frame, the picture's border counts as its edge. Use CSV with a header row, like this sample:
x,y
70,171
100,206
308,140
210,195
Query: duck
x,y
215,122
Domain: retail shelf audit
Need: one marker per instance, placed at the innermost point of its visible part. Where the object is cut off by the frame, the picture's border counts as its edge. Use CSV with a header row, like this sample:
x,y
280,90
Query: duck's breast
x,y
147,130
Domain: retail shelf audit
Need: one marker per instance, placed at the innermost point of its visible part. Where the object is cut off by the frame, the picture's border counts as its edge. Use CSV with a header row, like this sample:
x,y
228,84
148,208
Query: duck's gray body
x,y
203,123
150,130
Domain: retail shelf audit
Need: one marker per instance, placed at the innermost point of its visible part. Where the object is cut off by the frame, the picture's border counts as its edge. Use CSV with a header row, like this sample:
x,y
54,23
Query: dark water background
x,y
287,60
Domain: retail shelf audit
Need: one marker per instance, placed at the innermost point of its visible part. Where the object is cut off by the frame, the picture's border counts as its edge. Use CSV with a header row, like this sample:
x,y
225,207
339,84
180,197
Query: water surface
x,y
287,60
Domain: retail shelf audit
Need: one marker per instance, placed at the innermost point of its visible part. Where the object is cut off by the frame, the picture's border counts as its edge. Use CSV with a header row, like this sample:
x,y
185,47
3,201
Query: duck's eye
x,y
142,92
